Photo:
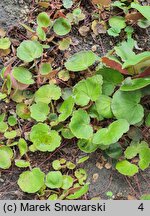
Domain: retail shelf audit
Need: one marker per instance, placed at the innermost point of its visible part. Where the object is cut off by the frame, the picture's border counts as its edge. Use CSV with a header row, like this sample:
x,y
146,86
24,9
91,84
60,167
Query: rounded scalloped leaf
x,y
4,43
89,89
45,68
126,168
110,135
134,84
12,121
80,125
22,75
125,105
43,20
117,22
61,26
67,182
54,179
39,111
6,155
81,61
103,106
31,181
43,138
29,50
47,93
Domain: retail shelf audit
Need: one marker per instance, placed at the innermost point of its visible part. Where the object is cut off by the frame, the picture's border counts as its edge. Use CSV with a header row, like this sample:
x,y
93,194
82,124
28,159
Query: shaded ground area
x,y
101,179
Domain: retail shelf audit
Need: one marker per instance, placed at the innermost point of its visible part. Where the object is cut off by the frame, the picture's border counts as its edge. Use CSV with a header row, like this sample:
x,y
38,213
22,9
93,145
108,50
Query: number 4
x,y
141,207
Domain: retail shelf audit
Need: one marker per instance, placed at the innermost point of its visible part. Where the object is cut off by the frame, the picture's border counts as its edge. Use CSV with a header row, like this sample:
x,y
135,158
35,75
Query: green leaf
x,y
117,22
3,127
80,125
114,32
66,109
125,105
103,106
53,197
10,134
144,156
110,135
134,60
114,151
61,26
66,133
134,84
29,50
144,10
22,145
79,193
4,43
82,160
43,20
47,93
54,179
56,165
22,163
145,197
81,61
86,146
70,165
45,68
41,33
31,181
64,43
22,75
67,3
86,90
111,78
81,175
6,155
12,120
43,138
134,149
126,168
22,111
39,111
147,120
67,182
143,23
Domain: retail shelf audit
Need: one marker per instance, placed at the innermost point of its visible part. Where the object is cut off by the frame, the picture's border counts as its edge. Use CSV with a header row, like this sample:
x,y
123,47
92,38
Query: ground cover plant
x,y
52,96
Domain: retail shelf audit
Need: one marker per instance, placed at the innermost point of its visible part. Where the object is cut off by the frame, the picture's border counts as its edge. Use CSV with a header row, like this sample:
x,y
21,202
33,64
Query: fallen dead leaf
x,y
95,177
102,2
83,30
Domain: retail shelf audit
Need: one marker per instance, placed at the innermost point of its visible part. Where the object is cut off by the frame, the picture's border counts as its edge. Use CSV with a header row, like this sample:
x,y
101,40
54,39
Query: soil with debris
x,y
102,175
